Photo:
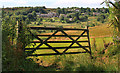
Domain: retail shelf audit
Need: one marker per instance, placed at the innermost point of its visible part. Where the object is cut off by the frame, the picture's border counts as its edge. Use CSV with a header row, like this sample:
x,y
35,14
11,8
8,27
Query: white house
x,y
50,14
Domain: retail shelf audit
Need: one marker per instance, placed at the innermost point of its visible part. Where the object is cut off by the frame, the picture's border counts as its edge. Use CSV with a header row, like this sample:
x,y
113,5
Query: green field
x,y
77,61
99,43
104,51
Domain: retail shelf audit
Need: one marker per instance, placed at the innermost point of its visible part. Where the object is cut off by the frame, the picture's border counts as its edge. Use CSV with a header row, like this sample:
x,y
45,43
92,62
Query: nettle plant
x,y
114,16
24,35
10,30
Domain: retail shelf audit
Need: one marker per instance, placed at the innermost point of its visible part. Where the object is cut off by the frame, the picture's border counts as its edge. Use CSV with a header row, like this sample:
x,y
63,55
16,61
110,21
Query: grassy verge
x,y
80,62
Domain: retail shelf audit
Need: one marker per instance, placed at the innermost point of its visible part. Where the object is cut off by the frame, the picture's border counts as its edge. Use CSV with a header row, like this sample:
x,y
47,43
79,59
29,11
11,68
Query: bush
x,y
82,26
63,21
51,20
83,19
77,21
92,25
14,59
67,20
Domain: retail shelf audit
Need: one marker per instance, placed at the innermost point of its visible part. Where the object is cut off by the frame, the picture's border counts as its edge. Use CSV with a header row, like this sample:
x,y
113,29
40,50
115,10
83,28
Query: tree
x,y
101,18
69,15
93,10
58,12
98,10
40,19
30,16
114,17
83,18
51,20
17,13
58,8
30,10
88,9
27,21
75,19
62,18
24,13
67,20
39,22
114,13
63,11
77,15
34,14
44,7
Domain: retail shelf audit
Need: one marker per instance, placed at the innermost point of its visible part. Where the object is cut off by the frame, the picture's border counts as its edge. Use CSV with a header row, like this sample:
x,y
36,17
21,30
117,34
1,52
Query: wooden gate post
x,y
19,44
89,42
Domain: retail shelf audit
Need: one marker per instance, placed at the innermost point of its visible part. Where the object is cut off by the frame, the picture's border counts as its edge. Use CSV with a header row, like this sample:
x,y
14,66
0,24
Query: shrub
x,y
77,21
91,25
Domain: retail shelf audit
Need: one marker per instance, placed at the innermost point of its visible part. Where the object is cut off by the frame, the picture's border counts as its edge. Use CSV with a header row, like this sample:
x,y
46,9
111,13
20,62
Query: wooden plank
x,y
56,47
40,40
81,35
59,41
56,53
48,44
71,39
83,47
47,39
62,35
54,28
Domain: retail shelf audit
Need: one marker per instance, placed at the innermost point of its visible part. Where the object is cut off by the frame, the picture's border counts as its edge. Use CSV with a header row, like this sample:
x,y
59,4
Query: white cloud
x,y
53,3
6,1
78,3
12,3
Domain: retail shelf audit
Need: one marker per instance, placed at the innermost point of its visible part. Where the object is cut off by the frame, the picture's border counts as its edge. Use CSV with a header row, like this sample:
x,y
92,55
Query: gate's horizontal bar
x,y
58,41
63,35
56,47
55,28
56,53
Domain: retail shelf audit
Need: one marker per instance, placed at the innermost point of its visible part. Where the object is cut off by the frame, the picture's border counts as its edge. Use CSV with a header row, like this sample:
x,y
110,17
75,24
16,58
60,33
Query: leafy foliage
x,y
12,58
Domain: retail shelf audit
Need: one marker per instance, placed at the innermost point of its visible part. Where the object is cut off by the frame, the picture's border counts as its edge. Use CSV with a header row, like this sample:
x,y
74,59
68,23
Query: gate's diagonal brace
x,y
52,48
74,41
80,44
44,42
35,37
70,38
83,47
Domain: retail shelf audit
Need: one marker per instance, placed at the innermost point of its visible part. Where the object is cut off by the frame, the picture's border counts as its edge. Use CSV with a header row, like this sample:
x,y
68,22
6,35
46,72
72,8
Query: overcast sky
x,y
52,3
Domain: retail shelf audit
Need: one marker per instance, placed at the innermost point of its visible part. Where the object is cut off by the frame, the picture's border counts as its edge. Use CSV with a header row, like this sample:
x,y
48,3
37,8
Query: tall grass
x,y
82,62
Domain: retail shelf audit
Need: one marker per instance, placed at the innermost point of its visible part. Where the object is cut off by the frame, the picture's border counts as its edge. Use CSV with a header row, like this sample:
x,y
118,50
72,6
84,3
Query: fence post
x,y
19,44
89,41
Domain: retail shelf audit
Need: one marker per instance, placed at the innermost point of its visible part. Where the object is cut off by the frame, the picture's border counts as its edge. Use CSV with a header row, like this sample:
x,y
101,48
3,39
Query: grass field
x,y
79,62
65,62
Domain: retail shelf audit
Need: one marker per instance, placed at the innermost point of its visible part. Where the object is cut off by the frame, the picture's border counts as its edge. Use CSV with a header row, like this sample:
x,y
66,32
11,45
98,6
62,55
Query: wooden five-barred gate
x,y
62,30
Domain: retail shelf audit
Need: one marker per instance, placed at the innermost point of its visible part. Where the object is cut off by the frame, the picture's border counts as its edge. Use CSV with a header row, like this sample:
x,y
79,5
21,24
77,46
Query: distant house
x,y
45,15
50,14
70,10
84,13
38,14
70,19
95,13
77,10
